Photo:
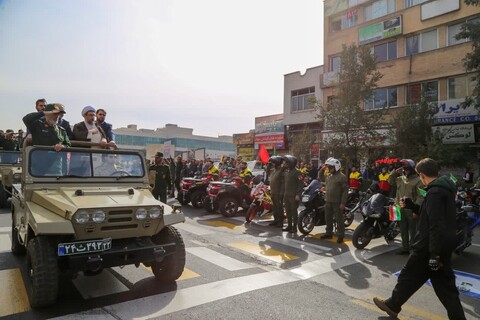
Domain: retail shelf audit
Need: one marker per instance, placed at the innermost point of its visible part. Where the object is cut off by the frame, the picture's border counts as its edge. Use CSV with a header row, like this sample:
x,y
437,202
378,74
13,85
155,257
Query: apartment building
x,y
414,42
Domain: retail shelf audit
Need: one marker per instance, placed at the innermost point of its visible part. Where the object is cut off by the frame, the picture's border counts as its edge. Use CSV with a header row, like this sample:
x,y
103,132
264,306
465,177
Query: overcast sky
x,y
210,65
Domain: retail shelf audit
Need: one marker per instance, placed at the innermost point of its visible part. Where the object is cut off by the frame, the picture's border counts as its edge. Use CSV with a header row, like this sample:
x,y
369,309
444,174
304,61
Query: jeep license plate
x,y
66,249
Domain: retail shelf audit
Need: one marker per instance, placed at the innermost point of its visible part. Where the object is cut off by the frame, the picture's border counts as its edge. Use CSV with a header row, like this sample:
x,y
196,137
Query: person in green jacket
x,y
277,190
159,177
408,185
293,179
336,188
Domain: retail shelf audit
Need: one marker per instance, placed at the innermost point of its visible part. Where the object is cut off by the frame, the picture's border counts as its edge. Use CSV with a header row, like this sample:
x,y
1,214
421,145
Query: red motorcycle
x,y
262,201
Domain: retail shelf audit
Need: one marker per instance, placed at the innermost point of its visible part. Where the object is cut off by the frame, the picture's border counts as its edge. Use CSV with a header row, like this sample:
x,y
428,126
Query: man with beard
x,y
159,177
46,132
89,130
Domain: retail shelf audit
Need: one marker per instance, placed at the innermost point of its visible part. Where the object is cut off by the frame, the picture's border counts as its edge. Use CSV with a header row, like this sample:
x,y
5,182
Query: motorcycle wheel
x,y
347,217
198,199
306,221
207,204
251,212
228,207
362,235
183,198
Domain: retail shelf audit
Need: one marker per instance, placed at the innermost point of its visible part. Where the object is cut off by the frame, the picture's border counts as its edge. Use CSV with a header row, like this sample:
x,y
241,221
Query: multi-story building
x,y
417,53
174,140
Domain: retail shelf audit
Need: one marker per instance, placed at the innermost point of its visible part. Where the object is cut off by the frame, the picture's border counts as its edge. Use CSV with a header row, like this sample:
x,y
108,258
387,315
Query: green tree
x,y
471,30
350,124
301,142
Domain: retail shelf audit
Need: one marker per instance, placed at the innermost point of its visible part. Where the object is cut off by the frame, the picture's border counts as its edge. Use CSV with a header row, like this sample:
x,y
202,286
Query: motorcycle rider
x,y
408,185
432,247
277,190
335,197
293,180
212,170
355,179
246,175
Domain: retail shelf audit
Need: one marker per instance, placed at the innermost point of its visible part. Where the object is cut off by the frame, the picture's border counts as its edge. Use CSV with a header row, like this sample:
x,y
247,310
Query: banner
x,y
380,30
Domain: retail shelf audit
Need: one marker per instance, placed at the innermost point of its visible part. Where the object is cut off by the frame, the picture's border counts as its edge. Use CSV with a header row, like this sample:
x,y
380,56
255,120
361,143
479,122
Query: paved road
x,y
235,271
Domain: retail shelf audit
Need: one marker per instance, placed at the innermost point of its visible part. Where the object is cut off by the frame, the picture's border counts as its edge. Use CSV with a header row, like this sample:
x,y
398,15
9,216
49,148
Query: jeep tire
x,y
3,197
17,247
43,273
171,267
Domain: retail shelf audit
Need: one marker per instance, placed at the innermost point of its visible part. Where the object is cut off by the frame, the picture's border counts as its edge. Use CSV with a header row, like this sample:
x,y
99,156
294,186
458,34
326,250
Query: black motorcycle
x,y
314,213
376,222
467,219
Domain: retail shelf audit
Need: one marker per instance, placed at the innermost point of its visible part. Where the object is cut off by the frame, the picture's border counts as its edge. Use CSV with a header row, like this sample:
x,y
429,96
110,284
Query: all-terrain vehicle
x,y
83,210
194,190
11,167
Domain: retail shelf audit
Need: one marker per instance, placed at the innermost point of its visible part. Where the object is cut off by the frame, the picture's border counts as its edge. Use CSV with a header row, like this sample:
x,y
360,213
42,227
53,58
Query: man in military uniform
x,y
46,132
336,188
293,180
159,177
277,189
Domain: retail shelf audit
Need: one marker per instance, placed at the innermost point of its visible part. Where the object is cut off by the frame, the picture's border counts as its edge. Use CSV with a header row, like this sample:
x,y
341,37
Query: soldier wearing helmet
x,y
408,189
277,190
336,188
293,190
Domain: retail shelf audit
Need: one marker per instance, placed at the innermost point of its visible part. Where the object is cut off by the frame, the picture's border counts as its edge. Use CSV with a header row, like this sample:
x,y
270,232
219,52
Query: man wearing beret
x,y
159,177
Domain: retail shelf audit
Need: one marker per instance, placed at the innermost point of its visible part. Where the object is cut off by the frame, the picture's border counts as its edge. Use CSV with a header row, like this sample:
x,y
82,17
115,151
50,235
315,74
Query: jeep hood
x,y
66,201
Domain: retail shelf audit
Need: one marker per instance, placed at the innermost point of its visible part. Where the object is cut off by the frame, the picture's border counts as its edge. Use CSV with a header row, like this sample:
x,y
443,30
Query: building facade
x,y
173,140
417,53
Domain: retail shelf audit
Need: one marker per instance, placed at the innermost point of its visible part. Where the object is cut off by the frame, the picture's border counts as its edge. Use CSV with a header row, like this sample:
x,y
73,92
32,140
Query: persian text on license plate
x,y
66,249
305,199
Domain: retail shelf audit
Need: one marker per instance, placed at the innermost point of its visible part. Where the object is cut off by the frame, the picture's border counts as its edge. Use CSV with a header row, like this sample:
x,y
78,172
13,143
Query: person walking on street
x,y
277,190
293,180
432,247
336,193
159,178
408,185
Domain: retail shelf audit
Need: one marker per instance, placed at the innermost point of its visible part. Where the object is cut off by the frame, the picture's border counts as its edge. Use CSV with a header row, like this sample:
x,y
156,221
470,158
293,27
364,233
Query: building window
x,y
350,19
334,63
379,8
460,87
421,42
428,89
385,51
411,3
300,99
335,24
454,29
382,98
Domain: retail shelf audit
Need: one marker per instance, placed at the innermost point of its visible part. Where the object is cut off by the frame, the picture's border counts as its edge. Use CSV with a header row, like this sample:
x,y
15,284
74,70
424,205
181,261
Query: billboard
x,y
244,138
269,132
460,133
380,30
453,111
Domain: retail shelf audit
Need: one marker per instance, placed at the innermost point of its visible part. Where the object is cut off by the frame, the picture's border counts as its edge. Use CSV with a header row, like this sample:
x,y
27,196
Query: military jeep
x,y
83,210
11,168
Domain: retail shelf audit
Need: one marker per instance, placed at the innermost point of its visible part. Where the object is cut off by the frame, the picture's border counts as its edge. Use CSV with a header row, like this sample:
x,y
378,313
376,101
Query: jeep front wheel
x,y
43,273
171,267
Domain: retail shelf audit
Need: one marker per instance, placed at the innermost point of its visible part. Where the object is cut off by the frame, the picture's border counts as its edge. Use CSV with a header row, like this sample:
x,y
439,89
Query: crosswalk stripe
x,y
5,243
13,296
302,245
219,224
218,259
99,285
263,251
193,229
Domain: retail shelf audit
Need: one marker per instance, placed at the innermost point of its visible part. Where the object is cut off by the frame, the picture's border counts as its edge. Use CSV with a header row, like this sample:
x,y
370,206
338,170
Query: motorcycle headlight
x,y
81,217
141,214
154,212
98,216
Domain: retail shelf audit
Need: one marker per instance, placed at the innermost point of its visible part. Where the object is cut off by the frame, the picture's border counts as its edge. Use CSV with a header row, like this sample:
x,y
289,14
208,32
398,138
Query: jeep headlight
x,y
98,216
154,212
141,214
81,217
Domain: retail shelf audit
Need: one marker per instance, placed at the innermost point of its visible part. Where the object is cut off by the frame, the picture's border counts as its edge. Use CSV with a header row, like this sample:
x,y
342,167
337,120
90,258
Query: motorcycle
x,y
376,222
314,213
194,190
261,201
467,219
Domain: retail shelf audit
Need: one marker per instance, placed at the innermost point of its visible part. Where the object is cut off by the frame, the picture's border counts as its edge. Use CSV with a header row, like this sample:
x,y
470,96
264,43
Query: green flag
x,y
452,177
422,192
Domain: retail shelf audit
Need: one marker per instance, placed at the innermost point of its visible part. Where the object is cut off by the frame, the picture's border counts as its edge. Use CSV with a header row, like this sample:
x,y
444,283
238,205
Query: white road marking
x,y
97,286
475,245
218,259
5,243
193,229
166,303
298,244
5,229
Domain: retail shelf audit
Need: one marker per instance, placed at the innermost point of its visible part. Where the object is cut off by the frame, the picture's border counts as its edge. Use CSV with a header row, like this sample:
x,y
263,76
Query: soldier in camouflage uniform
x,y
277,189
293,191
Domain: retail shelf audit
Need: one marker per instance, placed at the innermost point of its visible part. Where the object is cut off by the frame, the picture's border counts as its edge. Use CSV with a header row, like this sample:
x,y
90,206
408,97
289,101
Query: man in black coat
x,y
433,246
65,125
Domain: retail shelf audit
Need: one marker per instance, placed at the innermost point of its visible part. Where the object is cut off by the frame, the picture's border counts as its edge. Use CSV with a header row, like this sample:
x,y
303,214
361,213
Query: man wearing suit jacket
x,y
107,127
65,125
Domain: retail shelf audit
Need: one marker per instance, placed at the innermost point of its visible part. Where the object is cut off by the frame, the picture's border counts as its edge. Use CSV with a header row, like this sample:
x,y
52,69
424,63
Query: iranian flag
x,y
394,213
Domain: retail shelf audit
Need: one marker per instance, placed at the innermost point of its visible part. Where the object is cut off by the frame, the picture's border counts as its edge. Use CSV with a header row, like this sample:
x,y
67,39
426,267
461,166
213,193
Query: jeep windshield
x,y
85,163
10,157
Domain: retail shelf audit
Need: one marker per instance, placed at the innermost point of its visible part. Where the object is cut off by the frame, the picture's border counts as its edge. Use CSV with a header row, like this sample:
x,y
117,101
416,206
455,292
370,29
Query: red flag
x,y
263,154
